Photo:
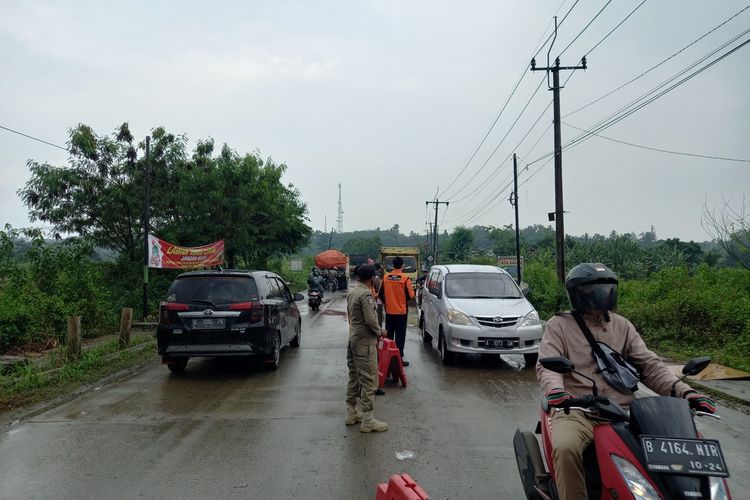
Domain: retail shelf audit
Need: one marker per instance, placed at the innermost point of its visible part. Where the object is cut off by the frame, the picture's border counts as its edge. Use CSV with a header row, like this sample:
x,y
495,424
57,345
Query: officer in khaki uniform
x,y
361,354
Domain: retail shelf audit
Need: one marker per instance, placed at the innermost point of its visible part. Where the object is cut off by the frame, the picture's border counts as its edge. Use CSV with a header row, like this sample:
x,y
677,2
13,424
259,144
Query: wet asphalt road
x,y
226,430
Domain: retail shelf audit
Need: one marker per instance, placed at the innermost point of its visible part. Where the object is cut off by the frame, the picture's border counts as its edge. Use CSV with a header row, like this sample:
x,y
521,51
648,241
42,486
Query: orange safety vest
x,y
396,292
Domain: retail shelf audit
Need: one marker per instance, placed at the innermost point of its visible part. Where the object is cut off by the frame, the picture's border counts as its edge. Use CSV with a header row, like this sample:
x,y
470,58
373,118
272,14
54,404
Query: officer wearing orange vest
x,y
395,293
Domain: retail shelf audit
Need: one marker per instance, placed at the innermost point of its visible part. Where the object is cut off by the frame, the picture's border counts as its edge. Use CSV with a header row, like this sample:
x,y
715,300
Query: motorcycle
x,y
652,452
314,299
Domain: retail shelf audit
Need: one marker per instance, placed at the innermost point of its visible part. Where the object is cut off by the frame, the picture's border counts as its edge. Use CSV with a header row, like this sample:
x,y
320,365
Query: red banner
x,y
164,255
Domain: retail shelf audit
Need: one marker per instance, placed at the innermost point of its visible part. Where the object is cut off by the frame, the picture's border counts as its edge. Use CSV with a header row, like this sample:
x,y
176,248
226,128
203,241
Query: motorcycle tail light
x,y
639,485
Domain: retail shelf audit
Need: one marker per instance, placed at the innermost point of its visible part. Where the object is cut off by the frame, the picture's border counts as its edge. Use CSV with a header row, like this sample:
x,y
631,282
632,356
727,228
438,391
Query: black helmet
x,y
365,272
592,287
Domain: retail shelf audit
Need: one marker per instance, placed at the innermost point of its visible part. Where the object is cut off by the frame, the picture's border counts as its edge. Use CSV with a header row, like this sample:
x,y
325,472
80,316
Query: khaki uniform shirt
x,y
363,320
563,337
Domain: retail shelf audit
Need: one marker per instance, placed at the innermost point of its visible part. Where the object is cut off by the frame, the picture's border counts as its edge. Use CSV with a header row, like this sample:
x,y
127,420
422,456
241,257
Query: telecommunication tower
x,y
340,215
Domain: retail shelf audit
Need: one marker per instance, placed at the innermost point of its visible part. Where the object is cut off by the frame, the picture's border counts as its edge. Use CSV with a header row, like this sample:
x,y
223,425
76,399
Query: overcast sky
x,y
391,98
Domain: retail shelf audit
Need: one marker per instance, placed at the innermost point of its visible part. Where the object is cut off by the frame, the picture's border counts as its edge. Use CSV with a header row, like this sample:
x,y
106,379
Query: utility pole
x,y
437,203
146,224
555,88
514,202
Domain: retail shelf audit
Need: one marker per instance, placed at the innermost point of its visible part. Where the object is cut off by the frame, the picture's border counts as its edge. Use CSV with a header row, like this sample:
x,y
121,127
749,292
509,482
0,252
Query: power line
x,y
467,183
615,28
660,150
636,106
542,114
497,117
615,119
657,64
34,138
507,101
559,26
584,28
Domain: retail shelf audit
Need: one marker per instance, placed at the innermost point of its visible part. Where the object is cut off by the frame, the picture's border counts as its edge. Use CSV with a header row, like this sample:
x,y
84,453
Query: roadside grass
x,y
55,375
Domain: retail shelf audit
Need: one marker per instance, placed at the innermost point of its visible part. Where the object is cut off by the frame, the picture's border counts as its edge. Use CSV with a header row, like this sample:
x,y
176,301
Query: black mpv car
x,y
227,313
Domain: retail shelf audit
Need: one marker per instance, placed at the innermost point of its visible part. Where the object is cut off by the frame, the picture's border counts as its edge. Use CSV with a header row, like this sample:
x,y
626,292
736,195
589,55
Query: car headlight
x,y
531,319
718,491
639,486
458,318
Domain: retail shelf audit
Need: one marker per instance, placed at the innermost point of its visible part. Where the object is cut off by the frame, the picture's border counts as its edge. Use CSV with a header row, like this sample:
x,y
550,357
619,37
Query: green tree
x,y
363,246
460,244
195,200
503,240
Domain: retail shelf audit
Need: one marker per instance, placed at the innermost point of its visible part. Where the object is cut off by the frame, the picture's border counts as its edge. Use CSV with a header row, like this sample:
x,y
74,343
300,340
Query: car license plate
x,y
695,457
209,324
499,343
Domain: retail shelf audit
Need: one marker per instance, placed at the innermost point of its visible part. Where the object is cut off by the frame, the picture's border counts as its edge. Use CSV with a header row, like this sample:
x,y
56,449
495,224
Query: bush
x,y
56,281
545,293
705,313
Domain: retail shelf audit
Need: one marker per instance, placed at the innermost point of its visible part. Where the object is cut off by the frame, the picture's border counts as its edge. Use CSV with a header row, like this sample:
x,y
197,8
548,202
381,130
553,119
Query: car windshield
x,y
410,263
213,290
481,286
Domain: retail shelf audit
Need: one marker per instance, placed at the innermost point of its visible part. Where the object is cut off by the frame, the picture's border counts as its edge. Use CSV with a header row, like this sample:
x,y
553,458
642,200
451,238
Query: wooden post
x,y
74,337
126,321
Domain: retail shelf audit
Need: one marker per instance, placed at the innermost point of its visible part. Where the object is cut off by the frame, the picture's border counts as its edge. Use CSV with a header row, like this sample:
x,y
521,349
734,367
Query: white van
x,y
474,309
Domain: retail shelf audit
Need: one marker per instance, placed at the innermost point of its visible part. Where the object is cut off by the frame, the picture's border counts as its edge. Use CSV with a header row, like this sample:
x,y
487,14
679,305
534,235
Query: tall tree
x,y
460,244
195,200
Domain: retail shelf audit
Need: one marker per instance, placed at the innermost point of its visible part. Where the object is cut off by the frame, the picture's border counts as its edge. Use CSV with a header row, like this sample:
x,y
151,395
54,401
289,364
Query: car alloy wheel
x,y
298,337
445,355
272,363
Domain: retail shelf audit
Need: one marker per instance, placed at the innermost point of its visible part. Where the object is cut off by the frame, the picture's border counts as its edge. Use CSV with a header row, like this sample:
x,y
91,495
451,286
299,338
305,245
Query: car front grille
x,y
497,321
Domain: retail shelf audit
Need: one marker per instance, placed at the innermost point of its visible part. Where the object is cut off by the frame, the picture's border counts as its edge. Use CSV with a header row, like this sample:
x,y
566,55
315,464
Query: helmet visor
x,y
596,297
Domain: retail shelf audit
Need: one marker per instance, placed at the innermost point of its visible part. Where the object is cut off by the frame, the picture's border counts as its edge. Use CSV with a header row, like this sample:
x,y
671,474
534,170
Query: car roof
x,y
218,272
470,268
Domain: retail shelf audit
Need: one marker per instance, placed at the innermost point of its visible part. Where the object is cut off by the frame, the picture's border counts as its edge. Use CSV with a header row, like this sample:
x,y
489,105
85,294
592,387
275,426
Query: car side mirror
x,y
298,296
695,366
557,364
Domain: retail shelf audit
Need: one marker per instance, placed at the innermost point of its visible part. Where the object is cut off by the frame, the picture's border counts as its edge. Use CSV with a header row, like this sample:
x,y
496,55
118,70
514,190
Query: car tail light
x,y
165,307
241,306
255,308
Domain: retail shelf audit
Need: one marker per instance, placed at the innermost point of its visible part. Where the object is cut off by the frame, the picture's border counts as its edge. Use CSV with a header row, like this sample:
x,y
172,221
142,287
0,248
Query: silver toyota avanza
x,y
474,309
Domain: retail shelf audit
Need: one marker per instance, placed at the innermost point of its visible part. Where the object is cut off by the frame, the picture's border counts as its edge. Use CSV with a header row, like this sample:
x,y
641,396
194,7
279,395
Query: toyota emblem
x,y
208,312
497,319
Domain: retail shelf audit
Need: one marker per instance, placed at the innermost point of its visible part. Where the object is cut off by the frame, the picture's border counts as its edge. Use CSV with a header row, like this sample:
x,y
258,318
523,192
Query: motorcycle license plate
x,y
209,324
694,457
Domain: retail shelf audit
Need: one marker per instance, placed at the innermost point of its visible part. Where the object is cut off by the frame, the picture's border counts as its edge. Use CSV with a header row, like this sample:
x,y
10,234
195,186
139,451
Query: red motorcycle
x,y
653,452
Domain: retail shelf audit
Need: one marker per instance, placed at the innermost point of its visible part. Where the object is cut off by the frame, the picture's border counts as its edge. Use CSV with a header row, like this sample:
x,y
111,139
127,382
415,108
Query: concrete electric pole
x,y
558,213
435,229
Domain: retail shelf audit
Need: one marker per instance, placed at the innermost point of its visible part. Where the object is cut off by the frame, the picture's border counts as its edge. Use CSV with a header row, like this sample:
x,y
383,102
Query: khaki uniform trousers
x,y
362,360
571,434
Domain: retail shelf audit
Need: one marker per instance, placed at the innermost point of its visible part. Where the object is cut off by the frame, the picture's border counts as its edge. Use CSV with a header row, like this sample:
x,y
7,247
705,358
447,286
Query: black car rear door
x,y
276,305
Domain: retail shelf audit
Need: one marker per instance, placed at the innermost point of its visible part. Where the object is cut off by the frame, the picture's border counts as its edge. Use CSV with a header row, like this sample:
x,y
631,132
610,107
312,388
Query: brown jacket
x,y
563,337
363,320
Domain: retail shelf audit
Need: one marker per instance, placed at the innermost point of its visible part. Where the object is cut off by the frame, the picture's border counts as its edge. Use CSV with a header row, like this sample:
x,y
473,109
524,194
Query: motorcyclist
x,y
333,274
592,292
315,281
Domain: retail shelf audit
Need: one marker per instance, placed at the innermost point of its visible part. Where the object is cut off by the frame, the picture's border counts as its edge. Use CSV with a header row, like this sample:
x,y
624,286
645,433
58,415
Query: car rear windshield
x,y
481,286
410,263
213,290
